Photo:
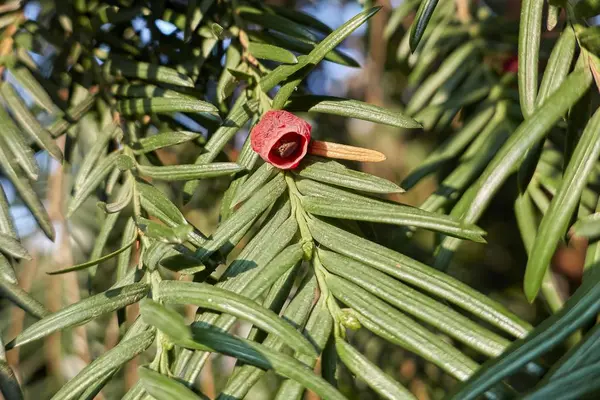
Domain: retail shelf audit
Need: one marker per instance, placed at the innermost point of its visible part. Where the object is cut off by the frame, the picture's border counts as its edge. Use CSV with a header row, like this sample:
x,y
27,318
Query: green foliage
x,y
141,124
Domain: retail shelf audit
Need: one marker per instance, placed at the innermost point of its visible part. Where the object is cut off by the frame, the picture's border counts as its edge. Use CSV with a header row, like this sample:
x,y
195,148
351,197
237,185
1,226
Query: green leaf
x,y
350,108
587,8
28,82
414,337
273,53
588,226
22,299
122,202
247,213
163,233
379,381
163,139
161,387
7,273
558,65
214,298
417,29
334,173
92,156
97,261
14,140
103,365
121,67
318,328
415,303
368,210
530,31
73,113
244,377
186,172
582,307
260,356
300,17
166,320
256,180
583,354
92,181
532,130
417,274
574,386
11,246
146,90
28,122
163,105
156,203
227,82
81,312
454,66
275,22
556,220
26,192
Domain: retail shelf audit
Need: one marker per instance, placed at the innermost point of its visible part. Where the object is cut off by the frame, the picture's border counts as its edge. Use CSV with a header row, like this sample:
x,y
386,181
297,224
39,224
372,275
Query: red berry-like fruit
x,y
281,138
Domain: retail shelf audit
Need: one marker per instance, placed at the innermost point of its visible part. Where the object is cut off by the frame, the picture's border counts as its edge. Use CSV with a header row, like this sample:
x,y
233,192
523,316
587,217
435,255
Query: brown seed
x,y
285,150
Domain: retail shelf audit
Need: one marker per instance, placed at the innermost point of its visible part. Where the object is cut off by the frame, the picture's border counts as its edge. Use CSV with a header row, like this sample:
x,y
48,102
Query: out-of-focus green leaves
x,y
33,87
531,131
26,192
28,122
120,67
9,385
81,312
556,220
11,246
163,105
275,22
14,140
273,53
350,108
398,16
587,8
588,226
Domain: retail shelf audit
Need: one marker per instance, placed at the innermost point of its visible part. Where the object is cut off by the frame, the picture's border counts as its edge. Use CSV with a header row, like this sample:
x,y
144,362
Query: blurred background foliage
x,y
386,77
